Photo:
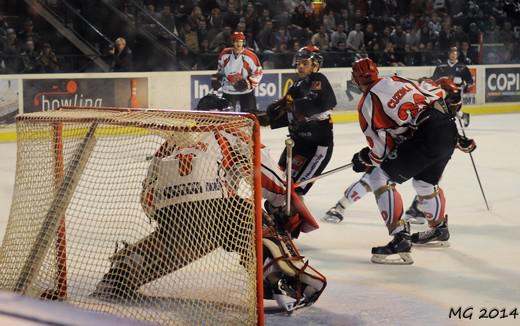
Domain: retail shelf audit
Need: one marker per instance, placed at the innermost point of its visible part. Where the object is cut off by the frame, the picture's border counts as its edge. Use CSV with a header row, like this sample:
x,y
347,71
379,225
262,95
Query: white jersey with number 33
x,y
387,111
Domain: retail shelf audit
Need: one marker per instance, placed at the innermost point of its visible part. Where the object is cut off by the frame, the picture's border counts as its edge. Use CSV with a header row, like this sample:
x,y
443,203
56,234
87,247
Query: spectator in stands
x,y
266,38
389,58
196,17
282,37
231,15
250,17
190,38
339,56
122,58
329,21
11,50
215,23
3,27
167,19
321,39
46,61
28,33
300,18
466,55
202,33
338,36
356,39
29,58
185,60
398,39
264,18
446,36
221,40
473,33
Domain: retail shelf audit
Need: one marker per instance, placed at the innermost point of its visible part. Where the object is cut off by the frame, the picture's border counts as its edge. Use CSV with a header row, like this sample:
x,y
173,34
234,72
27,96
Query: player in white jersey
x,y
188,178
444,88
411,134
239,72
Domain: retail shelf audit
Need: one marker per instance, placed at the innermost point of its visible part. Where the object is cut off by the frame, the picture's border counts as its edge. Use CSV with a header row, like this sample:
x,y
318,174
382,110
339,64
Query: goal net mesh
x,y
148,215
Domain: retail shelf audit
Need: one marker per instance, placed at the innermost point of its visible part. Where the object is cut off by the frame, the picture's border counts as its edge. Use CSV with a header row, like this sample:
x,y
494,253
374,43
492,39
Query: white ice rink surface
x,y
481,269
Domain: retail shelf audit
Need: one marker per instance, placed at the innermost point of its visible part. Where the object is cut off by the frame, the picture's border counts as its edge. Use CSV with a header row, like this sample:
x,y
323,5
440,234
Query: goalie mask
x,y
364,72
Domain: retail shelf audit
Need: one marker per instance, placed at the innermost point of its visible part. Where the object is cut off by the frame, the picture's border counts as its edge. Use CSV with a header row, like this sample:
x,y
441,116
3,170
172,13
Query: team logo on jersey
x,y
316,85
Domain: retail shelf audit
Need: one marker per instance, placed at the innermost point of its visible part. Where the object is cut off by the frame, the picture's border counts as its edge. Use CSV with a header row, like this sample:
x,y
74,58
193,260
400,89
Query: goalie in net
x,y
176,190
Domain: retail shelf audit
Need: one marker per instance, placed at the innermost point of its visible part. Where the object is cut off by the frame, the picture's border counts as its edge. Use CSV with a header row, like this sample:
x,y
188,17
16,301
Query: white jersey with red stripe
x,y
433,87
388,110
274,191
233,67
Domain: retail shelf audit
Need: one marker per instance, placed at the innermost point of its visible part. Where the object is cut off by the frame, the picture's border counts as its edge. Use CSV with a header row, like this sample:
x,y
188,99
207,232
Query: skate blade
x,y
331,219
432,244
402,258
414,220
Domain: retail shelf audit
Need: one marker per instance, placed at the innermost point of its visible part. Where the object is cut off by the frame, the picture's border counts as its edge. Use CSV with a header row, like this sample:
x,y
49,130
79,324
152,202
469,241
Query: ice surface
x,y
481,269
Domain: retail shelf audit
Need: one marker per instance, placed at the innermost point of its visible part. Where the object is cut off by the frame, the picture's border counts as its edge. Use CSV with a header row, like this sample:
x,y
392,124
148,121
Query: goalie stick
x,y
56,210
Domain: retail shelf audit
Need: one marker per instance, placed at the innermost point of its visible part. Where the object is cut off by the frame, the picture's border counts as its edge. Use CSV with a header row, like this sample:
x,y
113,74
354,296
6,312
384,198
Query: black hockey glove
x,y
263,118
215,81
277,113
465,144
361,161
242,85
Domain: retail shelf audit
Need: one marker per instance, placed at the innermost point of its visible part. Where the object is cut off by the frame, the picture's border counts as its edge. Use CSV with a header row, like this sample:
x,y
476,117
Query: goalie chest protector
x,y
188,174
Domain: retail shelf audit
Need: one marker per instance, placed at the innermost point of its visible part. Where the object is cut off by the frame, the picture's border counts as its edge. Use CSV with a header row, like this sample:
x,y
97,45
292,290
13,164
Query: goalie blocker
x,y
167,195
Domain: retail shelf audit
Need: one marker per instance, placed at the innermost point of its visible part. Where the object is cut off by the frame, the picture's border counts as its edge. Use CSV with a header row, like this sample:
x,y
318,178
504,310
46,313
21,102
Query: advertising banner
x,y
8,100
502,85
266,92
49,94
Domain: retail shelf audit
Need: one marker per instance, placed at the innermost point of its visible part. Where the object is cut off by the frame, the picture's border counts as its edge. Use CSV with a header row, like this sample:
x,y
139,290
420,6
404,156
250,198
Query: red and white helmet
x,y
364,72
237,36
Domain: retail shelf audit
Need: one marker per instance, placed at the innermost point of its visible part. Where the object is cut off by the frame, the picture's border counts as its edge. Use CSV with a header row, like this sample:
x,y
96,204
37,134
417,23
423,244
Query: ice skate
x,y
334,215
113,288
413,214
433,237
396,252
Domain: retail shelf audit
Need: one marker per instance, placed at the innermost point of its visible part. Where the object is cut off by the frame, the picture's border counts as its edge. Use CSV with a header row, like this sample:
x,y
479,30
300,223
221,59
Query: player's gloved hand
x,y
242,85
465,144
215,81
263,118
361,161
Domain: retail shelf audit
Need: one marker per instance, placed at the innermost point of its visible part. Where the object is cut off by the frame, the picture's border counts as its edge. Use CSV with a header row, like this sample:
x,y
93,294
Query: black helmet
x,y
309,52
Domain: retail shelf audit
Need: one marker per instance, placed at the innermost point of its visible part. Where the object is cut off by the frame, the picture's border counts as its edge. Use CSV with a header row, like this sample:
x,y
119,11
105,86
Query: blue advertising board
x,y
267,91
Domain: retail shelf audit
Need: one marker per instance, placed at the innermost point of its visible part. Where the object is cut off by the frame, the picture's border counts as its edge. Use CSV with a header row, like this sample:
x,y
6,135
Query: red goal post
x,y
79,193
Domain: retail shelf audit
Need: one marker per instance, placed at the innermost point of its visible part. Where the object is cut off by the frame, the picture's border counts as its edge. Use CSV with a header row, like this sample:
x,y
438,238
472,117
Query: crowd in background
x,y
391,32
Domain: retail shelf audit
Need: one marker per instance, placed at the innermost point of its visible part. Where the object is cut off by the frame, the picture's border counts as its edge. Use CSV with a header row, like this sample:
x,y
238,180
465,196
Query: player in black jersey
x,y
457,72
306,109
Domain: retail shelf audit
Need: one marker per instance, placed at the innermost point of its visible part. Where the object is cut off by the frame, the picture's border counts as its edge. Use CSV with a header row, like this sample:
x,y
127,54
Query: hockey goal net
x,y
147,214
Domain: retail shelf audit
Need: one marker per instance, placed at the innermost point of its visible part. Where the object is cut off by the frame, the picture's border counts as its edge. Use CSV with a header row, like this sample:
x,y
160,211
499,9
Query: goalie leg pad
x,y
294,283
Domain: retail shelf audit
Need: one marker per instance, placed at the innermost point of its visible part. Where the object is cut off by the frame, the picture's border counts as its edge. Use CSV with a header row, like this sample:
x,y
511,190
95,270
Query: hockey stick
x,y
473,162
324,174
289,144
